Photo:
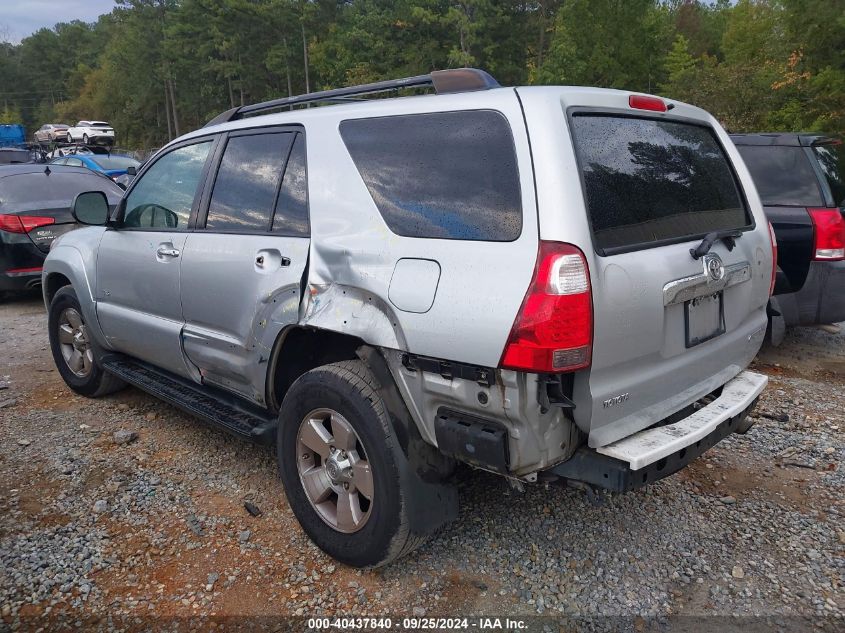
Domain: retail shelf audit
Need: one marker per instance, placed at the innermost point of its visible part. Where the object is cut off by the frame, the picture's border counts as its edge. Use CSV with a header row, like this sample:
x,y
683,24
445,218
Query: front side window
x,y
247,181
162,198
291,215
648,180
450,175
782,174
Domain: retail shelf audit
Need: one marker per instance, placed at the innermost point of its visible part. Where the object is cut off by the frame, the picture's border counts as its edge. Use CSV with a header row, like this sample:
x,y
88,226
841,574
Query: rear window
x,y
783,176
649,180
54,191
450,175
116,162
832,161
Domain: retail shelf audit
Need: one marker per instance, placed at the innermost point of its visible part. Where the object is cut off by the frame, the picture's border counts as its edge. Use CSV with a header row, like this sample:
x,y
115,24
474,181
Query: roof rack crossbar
x,y
443,82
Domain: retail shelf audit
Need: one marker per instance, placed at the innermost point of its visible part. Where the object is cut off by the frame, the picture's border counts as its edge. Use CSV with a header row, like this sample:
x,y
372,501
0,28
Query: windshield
x,y
116,162
832,161
648,180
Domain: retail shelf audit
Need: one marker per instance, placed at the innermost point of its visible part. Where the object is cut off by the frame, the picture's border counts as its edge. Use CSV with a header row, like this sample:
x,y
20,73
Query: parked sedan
x,y
97,132
51,133
35,203
111,165
801,181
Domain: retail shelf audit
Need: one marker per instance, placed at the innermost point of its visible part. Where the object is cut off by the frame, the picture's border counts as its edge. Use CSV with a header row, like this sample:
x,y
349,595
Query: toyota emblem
x,y
713,267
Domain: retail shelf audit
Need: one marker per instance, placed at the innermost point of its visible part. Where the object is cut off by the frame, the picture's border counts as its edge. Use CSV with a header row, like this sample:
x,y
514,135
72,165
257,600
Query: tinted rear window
x,y
647,180
56,191
116,162
446,175
832,161
783,176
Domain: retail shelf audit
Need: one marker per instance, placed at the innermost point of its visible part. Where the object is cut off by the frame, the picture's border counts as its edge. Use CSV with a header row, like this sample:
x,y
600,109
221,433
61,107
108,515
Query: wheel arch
x,y
66,266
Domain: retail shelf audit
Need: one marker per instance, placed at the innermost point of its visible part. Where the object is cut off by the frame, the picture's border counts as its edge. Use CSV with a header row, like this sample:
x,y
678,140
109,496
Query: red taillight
x,y
553,331
774,258
22,223
644,102
829,234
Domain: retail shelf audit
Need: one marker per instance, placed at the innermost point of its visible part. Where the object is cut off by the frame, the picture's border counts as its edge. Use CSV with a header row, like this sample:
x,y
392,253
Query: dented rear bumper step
x,y
658,452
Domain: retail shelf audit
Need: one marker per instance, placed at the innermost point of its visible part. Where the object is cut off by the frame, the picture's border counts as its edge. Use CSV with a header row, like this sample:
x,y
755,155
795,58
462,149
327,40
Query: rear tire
x,y
74,351
85,139
332,399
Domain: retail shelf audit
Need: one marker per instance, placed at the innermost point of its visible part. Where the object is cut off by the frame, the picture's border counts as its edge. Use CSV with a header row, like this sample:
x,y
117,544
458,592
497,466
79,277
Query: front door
x,y
243,265
138,264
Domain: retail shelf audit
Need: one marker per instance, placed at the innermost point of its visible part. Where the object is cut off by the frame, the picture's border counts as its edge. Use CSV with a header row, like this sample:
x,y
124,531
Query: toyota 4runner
x,y
544,283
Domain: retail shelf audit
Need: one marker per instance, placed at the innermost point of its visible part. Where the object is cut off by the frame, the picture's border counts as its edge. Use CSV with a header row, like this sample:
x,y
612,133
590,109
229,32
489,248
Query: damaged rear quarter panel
x,y
353,252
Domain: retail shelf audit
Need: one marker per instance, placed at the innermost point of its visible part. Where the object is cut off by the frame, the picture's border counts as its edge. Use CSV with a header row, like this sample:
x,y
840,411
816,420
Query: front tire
x,y
336,454
69,138
85,139
74,351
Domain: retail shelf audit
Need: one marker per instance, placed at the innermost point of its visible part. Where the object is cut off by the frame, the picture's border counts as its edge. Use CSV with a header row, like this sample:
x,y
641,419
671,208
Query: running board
x,y
213,405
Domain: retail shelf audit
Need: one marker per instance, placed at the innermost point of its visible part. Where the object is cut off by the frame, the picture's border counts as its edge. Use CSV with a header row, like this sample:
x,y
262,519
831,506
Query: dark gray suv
x,y
801,181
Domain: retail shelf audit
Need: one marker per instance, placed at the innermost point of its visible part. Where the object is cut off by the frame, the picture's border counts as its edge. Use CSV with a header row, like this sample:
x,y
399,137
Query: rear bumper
x,y
821,298
661,451
20,280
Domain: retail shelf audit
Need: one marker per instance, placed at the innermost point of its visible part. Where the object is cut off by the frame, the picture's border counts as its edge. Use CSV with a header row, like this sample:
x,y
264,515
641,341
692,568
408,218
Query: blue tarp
x,y
11,135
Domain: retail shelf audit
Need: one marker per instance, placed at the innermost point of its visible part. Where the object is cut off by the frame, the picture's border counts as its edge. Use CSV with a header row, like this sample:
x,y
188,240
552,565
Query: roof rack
x,y
443,82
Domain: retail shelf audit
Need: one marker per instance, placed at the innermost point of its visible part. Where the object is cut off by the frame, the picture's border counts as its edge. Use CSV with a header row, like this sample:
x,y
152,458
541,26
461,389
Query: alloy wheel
x,y
74,343
334,470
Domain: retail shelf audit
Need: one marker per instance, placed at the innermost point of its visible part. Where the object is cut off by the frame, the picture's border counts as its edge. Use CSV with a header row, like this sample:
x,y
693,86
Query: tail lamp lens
x,y
22,223
829,234
553,331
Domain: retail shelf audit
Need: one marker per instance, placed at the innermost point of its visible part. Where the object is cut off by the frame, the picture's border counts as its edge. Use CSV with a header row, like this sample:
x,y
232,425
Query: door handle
x,y
165,251
271,258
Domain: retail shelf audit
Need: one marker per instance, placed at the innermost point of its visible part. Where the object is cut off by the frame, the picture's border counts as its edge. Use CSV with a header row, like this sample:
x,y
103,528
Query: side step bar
x,y
213,405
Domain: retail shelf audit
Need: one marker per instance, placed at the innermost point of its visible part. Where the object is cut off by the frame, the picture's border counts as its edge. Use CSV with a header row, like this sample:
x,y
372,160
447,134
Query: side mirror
x,y
131,170
91,207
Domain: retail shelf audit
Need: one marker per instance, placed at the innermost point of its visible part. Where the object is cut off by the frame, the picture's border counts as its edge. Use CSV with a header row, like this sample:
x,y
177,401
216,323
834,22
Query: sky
x,y
19,18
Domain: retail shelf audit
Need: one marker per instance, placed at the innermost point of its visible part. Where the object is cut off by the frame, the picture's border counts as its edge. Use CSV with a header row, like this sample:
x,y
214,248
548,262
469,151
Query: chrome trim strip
x,y
701,285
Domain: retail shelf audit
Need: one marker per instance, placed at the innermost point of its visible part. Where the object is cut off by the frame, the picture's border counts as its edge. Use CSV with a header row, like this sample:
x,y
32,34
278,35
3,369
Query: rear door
x,y
243,266
636,191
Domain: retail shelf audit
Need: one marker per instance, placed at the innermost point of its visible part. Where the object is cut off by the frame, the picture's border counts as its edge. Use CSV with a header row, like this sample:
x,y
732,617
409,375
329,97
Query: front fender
x,y
79,268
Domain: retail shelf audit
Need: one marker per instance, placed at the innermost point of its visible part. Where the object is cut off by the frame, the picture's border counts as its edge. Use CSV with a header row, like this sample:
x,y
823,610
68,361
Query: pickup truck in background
x,y
801,181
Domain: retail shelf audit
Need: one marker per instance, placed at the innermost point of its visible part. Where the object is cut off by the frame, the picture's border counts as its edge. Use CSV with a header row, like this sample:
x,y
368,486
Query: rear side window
x,y
832,161
647,180
450,175
247,181
783,175
291,216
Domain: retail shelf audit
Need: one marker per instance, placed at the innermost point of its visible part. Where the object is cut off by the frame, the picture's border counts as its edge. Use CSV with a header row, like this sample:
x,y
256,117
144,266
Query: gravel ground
x,y
119,510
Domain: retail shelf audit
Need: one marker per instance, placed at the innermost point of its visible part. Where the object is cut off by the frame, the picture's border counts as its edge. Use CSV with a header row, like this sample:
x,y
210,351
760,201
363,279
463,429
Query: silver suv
x,y
544,283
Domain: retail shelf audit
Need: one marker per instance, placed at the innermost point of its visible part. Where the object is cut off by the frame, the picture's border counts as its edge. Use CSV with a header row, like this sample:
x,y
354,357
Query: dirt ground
x,y
153,533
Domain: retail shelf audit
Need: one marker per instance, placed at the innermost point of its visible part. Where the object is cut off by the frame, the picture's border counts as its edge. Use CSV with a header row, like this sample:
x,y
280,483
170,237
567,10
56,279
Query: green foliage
x,y
158,68
10,115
